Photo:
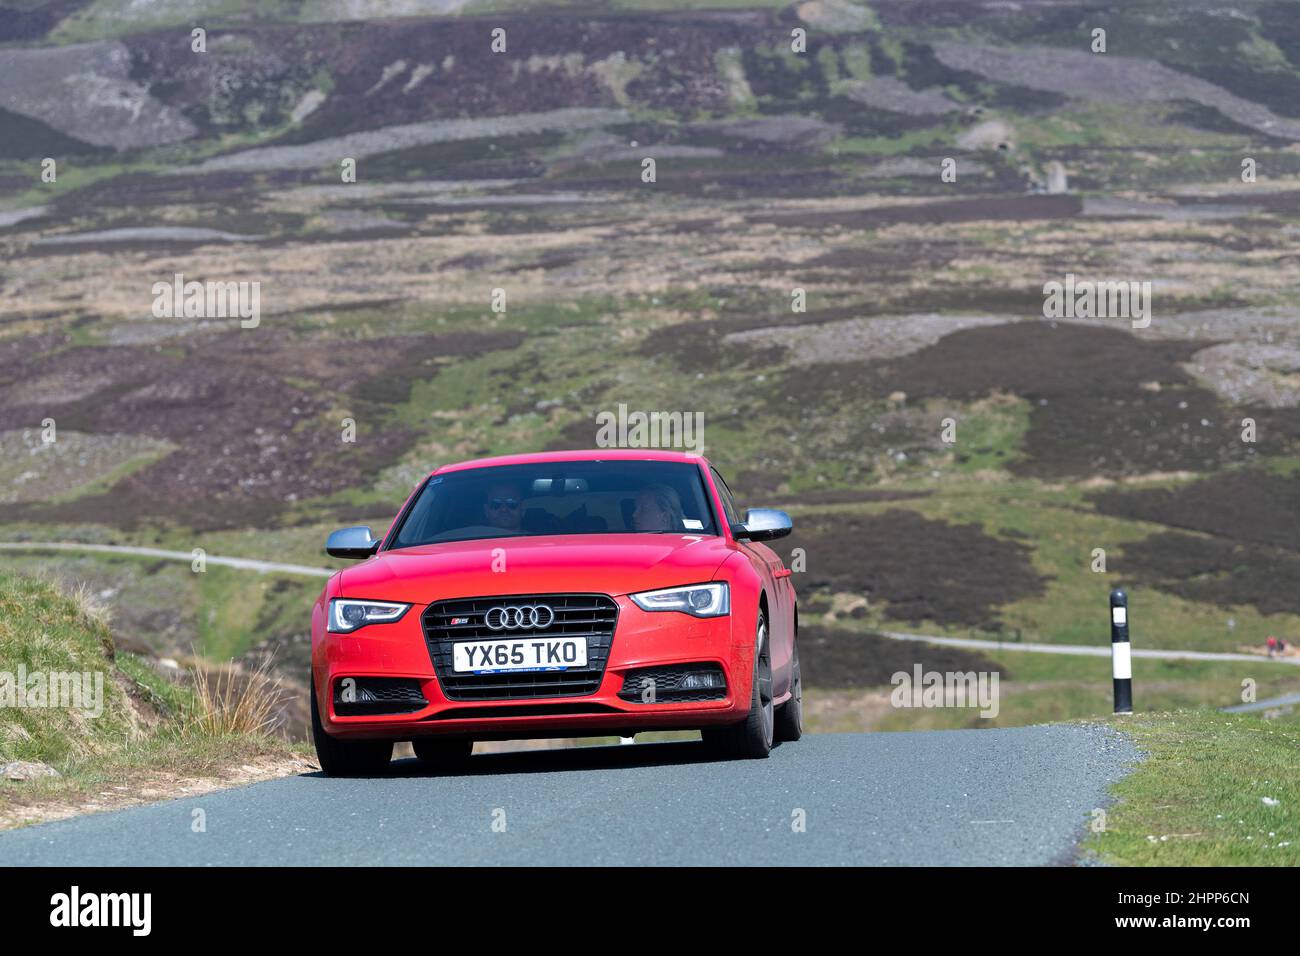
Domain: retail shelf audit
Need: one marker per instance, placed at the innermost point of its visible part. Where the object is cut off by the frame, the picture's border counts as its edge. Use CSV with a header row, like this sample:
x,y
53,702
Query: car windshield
x,y
570,497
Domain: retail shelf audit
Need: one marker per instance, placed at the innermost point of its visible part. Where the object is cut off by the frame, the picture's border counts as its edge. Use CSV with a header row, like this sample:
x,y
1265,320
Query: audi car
x,y
562,594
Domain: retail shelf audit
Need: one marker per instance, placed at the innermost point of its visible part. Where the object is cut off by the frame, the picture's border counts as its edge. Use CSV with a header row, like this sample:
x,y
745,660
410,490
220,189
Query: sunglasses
x,y
496,504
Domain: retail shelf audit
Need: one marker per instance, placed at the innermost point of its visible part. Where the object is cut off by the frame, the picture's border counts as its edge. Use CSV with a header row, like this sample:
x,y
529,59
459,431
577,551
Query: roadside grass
x,y
137,731
230,704
155,768
44,632
1198,799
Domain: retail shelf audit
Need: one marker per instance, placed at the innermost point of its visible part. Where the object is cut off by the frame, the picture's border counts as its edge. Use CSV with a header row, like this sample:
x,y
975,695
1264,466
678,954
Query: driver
x,y
503,506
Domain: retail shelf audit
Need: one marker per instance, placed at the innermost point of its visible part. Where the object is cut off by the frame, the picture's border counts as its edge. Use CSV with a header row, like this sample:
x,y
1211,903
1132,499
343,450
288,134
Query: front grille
x,y
378,695
592,616
666,684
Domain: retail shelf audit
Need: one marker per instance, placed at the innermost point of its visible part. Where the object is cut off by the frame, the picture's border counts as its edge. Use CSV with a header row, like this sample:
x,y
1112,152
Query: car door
x,y
776,582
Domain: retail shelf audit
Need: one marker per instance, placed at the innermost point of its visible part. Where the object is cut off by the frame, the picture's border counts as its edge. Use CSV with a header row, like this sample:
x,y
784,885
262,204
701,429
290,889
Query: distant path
x,y
265,567
1285,700
244,564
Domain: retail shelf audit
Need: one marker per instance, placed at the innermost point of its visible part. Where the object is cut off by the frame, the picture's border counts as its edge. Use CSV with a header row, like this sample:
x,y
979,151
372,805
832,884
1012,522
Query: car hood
x,y
607,563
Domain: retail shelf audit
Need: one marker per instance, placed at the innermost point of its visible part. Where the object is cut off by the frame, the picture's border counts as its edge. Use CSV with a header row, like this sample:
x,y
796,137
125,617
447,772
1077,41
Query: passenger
x,y
658,508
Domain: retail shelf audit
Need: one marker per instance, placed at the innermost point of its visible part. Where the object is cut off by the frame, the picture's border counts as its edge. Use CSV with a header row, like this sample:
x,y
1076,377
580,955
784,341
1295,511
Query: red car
x,y
560,594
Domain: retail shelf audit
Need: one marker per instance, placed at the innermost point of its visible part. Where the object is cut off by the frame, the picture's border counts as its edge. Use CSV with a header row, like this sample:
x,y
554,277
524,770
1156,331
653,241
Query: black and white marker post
x,y
1121,662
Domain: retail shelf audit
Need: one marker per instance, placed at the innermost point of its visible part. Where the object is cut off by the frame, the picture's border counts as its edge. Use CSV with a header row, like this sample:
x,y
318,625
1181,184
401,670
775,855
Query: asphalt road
x,y
1018,796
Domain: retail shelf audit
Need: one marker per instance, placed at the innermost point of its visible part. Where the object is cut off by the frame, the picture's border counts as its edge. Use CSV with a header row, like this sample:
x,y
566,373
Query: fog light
x,y
701,680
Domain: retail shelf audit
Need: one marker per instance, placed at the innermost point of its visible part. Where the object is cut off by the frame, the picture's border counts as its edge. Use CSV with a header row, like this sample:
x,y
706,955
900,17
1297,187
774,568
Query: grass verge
x,y
1204,795
134,734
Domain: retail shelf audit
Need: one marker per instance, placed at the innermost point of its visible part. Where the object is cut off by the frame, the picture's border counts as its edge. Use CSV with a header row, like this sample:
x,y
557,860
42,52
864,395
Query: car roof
x,y
598,454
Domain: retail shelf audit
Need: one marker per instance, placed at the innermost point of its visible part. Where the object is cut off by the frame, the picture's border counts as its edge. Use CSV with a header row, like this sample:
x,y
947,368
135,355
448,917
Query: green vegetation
x,y
1118,126
219,614
1214,790
130,723
45,632
1064,532
620,293
237,609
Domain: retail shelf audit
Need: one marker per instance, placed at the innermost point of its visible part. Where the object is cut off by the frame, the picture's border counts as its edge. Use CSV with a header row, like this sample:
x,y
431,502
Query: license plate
x,y
519,654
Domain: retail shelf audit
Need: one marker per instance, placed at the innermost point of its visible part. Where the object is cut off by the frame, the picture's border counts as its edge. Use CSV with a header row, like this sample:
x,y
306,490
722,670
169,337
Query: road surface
x,y
1015,796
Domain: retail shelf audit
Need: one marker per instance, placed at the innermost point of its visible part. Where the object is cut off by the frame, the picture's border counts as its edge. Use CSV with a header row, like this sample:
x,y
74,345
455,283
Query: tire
x,y
439,753
752,737
347,758
789,716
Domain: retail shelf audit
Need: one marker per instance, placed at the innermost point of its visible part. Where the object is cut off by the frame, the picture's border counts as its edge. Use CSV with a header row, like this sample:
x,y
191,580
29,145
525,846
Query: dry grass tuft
x,y
93,611
229,700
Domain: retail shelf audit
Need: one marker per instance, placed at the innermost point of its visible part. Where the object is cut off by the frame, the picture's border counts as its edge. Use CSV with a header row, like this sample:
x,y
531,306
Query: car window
x,y
724,492
577,497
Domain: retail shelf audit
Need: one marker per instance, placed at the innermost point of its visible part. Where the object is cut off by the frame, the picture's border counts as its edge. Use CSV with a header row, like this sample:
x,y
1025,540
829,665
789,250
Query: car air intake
x,y
522,710
674,683
590,617
378,695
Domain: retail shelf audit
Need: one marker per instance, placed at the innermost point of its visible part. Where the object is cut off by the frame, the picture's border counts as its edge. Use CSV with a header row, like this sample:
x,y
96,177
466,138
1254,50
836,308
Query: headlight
x,y
346,615
699,600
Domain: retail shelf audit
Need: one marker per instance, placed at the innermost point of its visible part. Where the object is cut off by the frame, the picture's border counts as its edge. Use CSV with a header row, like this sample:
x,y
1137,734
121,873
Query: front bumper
x,y
641,639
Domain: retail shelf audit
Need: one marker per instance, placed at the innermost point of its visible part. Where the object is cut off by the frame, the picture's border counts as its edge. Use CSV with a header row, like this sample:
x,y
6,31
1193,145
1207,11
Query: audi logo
x,y
532,617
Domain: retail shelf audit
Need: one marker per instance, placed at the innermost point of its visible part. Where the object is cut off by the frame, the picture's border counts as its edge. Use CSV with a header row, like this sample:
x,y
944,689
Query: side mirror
x,y
351,543
763,524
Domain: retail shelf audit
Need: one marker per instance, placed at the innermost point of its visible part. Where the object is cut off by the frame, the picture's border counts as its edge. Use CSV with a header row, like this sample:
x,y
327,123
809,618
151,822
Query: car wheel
x,y
347,758
752,737
789,716
442,754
